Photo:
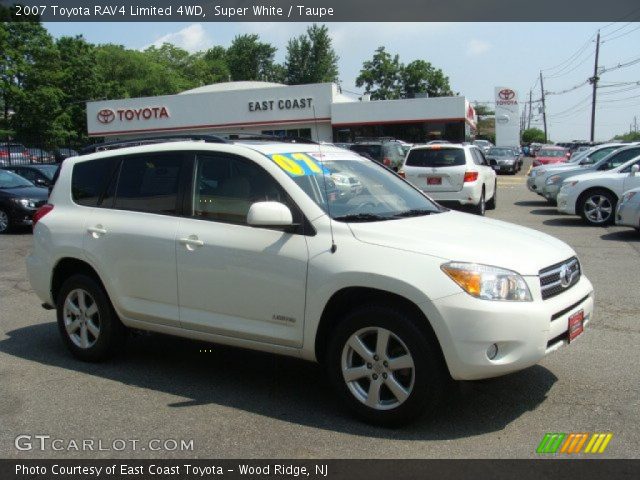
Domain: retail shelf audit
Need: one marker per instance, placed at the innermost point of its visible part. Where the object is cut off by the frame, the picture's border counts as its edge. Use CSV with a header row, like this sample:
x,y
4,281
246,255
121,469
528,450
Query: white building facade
x,y
316,111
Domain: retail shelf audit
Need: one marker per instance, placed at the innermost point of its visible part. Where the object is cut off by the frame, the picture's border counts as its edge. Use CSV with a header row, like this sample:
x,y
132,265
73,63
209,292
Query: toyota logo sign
x,y
506,94
106,115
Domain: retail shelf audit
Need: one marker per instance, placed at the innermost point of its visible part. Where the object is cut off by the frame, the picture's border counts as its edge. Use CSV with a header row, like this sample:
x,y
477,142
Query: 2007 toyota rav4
x,y
253,244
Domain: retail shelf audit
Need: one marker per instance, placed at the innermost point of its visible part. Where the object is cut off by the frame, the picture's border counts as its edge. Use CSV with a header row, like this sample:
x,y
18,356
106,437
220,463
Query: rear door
x,y
437,168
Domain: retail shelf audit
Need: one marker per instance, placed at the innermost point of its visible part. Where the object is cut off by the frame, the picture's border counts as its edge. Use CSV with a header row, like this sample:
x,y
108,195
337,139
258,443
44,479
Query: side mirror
x,y
635,169
269,214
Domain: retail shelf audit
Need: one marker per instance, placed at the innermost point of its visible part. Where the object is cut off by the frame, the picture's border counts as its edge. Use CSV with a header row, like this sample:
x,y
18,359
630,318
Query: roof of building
x,y
231,86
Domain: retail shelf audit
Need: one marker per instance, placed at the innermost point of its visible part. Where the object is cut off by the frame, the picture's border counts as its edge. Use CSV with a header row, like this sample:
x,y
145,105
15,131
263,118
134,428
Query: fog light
x,y
492,351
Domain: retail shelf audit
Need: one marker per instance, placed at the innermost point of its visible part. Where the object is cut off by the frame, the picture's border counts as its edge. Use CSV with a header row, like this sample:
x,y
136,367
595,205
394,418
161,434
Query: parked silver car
x,y
628,210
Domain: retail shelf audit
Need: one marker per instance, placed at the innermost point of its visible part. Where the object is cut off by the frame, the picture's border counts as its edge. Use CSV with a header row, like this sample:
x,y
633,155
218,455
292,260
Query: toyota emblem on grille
x,y
566,276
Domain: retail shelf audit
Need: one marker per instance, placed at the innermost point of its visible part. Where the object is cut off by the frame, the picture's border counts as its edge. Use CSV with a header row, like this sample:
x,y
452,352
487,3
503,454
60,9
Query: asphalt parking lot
x,y
239,404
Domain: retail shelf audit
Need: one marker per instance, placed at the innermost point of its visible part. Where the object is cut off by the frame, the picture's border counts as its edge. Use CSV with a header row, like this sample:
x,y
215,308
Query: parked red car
x,y
549,155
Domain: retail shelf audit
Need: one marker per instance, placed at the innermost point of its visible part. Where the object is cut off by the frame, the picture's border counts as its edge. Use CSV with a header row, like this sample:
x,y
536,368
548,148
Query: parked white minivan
x,y
251,244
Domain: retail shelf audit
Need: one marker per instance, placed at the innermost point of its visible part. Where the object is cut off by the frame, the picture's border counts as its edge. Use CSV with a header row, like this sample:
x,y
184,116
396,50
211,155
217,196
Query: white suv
x,y
451,174
251,244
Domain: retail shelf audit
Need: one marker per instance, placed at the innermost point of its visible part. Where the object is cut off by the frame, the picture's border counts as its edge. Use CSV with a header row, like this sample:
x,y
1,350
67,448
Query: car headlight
x,y
25,202
487,282
552,180
627,196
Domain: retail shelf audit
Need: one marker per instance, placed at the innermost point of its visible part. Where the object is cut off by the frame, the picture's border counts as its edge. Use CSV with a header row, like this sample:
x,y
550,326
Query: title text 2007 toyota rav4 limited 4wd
x,y
252,244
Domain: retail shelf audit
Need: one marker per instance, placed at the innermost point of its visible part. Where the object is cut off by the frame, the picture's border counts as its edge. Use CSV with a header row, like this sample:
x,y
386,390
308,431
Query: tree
x,y
381,76
311,58
250,59
533,135
211,66
420,77
628,137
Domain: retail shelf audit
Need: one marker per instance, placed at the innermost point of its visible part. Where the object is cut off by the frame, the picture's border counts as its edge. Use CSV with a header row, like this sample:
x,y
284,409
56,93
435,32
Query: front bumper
x,y
565,205
550,192
531,184
523,331
628,215
22,215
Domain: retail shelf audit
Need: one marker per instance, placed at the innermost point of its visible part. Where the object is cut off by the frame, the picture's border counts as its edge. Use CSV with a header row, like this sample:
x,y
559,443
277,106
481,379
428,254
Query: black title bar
x,y
321,10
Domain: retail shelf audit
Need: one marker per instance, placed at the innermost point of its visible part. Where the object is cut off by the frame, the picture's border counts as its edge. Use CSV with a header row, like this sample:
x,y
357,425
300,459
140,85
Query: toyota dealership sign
x,y
507,117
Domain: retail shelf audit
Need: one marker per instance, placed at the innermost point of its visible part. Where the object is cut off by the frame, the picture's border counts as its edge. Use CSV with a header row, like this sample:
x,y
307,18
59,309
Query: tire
x,y
597,207
5,222
481,207
420,380
90,328
491,204
551,202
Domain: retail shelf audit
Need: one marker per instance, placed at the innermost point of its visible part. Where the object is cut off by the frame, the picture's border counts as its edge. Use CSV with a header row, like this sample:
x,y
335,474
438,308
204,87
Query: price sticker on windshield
x,y
298,164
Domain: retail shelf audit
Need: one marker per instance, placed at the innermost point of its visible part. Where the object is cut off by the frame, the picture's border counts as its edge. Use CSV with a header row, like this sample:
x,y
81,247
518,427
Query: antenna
x,y
334,247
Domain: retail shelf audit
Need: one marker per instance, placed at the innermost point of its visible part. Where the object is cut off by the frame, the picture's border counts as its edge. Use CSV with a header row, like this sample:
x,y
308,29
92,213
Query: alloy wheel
x,y
378,368
81,318
598,209
4,221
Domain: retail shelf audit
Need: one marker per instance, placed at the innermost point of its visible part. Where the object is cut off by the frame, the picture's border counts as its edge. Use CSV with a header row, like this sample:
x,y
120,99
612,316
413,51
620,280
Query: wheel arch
x,y
348,298
582,195
68,266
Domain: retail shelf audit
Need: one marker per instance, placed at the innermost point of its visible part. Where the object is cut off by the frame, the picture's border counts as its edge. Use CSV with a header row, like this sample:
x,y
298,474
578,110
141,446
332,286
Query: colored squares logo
x,y
570,443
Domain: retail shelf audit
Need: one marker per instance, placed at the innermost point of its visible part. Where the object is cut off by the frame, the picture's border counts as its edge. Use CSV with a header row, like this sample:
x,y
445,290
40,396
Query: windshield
x,y
501,152
353,189
551,153
436,157
47,170
11,180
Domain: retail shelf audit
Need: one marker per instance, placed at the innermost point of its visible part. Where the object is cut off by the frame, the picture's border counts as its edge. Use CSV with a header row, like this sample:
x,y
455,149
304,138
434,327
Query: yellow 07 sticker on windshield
x,y
298,164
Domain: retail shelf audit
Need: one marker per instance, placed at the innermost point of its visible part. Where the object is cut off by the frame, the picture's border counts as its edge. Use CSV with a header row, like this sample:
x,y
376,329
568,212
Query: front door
x,y
233,279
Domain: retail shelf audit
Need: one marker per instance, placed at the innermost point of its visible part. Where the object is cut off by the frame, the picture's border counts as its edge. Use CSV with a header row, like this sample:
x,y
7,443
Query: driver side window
x,y
226,186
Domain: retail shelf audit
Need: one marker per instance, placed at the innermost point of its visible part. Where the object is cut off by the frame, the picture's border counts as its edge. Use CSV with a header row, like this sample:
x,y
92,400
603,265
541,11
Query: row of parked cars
x,y
12,153
600,184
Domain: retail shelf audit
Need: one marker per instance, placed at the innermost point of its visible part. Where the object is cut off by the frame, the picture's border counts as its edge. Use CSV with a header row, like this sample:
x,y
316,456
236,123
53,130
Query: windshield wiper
x,y
414,212
361,217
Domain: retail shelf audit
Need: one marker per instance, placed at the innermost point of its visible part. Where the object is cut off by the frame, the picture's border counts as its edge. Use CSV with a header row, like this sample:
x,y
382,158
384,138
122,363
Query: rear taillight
x,y
386,161
470,177
41,212
4,153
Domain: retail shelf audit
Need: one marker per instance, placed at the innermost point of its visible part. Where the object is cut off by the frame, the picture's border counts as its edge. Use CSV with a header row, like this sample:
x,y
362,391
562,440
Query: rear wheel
x,y
491,204
87,322
481,207
384,367
597,207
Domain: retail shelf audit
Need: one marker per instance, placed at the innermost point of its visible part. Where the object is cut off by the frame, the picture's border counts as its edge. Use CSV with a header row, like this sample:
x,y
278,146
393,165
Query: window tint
x,y
436,157
600,154
89,179
149,183
226,186
627,169
619,158
477,157
370,151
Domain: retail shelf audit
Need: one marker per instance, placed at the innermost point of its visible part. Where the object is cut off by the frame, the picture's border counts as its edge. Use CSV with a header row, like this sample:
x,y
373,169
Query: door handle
x,y
97,231
191,241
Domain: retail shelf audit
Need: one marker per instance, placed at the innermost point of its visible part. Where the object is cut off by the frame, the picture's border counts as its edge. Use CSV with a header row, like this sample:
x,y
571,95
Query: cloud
x,y
191,38
477,47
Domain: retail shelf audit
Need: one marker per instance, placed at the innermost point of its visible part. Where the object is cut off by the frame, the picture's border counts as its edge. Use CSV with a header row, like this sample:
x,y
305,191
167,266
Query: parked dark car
x,y
13,154
387,152
506,159
39,175
19,200
39,155
61,153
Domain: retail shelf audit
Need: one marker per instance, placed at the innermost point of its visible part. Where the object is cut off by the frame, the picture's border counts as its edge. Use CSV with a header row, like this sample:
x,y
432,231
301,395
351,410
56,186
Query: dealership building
x,y
317,111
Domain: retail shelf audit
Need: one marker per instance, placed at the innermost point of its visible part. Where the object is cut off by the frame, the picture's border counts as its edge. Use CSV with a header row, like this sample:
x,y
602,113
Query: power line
x,y
621,35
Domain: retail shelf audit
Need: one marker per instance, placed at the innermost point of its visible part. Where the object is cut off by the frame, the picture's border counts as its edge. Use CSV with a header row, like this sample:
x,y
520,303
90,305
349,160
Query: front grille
x,y
559,277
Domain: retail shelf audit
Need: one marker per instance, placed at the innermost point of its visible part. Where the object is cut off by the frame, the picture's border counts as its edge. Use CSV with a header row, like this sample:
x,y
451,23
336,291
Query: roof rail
x,y
222,137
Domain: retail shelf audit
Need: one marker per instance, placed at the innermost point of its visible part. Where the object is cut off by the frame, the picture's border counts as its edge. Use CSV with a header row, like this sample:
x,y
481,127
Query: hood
x,y
33,193
468,238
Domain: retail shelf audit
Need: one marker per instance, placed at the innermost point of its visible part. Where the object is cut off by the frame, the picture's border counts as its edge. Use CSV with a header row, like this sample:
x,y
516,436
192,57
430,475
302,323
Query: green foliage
x,y
384,77
533,135
311,58
628,137
250,59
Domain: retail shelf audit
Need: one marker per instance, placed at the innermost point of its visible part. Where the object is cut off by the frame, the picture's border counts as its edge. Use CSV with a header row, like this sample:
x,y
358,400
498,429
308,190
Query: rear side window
x,y
371,151
436,157
149,184
89,179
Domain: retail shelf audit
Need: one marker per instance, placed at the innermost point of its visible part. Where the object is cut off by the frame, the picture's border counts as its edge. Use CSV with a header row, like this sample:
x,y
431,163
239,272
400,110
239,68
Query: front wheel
x,y
384,367
5,222
597,207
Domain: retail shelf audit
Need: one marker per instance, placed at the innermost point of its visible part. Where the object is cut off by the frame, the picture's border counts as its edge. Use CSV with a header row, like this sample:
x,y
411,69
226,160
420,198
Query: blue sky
x,y
475,56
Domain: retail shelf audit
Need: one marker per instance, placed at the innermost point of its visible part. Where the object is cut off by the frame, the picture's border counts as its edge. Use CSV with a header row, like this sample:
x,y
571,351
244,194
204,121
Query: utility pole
x,y
544,109
594,82
635,124
530,106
